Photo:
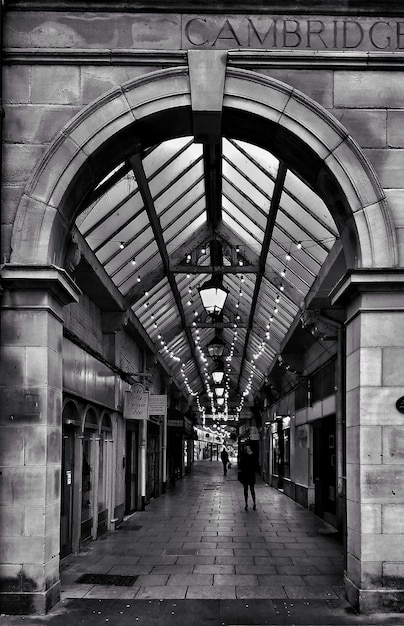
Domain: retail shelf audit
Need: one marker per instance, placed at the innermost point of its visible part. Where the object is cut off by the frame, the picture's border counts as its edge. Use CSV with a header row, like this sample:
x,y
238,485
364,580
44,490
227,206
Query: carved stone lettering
x,y
316,33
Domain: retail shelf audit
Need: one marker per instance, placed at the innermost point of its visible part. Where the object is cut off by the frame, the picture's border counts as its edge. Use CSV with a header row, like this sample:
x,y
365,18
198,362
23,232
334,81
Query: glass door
x,y
66,512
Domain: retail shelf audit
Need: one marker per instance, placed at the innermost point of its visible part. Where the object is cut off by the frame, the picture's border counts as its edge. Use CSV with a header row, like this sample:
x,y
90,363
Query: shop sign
x,y
85,376
157,404
137,403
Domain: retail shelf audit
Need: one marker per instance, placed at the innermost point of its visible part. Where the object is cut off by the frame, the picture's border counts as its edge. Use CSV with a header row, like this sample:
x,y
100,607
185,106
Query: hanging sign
x,y
157,404
137,403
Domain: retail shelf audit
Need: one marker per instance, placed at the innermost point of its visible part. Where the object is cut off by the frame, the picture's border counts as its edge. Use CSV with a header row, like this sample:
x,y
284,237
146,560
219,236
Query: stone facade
x,y
332,83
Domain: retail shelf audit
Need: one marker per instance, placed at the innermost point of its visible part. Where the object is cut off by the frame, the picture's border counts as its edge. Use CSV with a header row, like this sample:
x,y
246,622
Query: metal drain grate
x,y
107,579
129,527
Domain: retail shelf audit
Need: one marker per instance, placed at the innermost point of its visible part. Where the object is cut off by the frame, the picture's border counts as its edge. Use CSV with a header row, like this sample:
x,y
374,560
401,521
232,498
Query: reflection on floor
x,y
197,541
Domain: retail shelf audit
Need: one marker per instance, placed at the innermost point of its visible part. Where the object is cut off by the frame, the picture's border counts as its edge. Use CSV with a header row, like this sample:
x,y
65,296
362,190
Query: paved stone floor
x,y
197,557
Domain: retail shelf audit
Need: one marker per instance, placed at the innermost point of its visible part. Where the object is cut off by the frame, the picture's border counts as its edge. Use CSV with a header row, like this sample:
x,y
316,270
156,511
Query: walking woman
x,y
248,467
225,460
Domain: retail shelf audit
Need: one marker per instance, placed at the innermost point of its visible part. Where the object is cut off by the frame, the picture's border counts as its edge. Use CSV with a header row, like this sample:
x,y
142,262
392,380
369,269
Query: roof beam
x,y
151,280
273,210
138,169
212,154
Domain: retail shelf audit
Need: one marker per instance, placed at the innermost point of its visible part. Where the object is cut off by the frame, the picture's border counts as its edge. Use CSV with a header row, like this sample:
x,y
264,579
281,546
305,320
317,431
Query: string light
x,y
258,352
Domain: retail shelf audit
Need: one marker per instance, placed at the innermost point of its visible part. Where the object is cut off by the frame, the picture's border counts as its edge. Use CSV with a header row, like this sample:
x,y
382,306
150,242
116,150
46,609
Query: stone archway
x,y
161,105
77,159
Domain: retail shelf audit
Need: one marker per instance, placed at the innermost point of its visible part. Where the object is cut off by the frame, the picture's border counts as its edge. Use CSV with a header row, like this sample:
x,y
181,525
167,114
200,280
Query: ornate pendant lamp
x,y
218,372
216,347
219,391
213,296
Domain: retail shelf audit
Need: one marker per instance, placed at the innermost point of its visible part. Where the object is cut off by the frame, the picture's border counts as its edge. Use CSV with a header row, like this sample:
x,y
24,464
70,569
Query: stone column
x,y
31,428
374,304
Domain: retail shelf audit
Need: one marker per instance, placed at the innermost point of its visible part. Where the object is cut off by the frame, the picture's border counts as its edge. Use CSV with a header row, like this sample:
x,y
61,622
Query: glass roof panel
x,y
118,229
97,212
240,222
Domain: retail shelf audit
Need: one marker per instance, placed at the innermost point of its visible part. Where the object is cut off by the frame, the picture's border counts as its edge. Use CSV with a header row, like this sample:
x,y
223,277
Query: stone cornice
x,y
247,59
88,56
380,280
37,277
260,59
282,7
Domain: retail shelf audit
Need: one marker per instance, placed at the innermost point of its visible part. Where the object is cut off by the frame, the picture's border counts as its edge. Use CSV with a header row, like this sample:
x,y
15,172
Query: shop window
x,y
103,463
87,478
286,453
103,474
276,457
87,475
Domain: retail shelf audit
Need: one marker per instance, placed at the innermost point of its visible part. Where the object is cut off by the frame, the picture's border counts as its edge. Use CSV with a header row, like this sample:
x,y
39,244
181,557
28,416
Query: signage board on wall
x,y
87,377
140,404
137,403
157,404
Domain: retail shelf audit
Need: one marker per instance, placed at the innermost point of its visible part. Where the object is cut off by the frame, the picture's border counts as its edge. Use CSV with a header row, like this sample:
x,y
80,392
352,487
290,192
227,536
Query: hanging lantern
x,y
219,391
216,347
213,296
218,373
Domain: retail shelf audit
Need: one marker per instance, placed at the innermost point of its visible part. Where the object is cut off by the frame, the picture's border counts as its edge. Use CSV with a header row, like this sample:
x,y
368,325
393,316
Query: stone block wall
x,y
375,463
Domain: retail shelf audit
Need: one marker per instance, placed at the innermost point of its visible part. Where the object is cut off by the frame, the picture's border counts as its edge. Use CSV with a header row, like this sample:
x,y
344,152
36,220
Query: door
x,y
131,472
66,514
152,467
324,468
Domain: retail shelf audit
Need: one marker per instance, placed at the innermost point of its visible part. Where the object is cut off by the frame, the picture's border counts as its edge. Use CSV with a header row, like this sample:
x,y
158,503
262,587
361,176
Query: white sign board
x,y
157,404
137,403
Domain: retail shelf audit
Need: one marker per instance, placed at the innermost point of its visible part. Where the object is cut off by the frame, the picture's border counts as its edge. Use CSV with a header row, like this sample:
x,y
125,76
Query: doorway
x,y
131,473
153,465
67,483
324,468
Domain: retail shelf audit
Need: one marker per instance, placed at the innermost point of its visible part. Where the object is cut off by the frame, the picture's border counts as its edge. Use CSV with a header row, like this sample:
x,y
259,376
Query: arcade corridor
x,y
202,246
196,556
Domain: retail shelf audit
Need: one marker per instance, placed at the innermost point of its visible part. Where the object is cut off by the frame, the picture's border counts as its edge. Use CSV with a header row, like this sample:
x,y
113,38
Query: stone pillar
x,y
374,303
30,442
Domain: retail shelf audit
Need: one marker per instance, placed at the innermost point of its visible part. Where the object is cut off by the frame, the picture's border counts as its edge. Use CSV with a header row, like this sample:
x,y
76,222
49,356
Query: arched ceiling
x,y
169,216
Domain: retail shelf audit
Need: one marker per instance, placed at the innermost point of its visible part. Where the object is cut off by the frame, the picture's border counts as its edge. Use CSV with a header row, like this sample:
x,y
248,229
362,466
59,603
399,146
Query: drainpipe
x,y
164,452
1,95
341,442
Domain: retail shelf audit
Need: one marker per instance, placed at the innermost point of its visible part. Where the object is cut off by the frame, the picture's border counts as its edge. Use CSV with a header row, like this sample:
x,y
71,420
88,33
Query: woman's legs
x,y
245,485
252,489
